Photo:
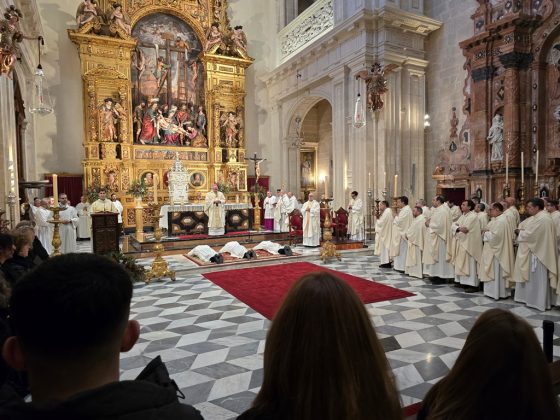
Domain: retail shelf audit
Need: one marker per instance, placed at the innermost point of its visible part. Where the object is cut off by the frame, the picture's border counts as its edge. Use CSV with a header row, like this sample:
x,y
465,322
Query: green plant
x,y
92,192
136,272
223,187
138,189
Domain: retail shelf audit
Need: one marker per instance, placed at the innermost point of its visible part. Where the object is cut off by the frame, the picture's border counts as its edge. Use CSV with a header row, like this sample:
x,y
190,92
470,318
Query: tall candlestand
x,y
536,189
139,217
369,213
522,199
159,266
56,242
506,192
377,201
12,205
3,223
328,249
257,214
394,204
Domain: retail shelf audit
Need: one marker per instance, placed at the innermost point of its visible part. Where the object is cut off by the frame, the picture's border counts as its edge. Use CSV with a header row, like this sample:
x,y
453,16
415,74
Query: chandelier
x,y
41,102
298,140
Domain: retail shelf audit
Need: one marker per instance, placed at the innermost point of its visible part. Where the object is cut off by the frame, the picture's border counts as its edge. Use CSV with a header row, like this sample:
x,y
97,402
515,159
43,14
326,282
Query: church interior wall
x,y
445,76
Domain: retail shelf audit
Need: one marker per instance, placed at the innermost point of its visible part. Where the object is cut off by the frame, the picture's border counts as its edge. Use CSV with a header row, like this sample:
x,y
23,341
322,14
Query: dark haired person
x,y
323,360
467,249
71,351
501,373
536,262
20,263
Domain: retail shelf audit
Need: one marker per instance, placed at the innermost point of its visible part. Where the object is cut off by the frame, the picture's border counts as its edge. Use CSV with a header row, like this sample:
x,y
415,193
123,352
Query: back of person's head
x,y
323,359
71,310
501,373
22,237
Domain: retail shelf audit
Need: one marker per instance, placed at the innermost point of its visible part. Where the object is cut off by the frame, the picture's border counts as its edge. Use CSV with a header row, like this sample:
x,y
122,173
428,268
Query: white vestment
x,y
44,228
269,246
311,223
105,205
84,225
68,230
399,245
203,252
467,250
415,236
482,219
235,249
214,209
291,205
437,251
513,217
383,230
356,220
268,205
556,220
119,207
280,214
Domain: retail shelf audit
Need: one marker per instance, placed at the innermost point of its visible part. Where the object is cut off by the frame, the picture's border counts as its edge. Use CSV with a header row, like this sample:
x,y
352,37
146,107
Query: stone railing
x,y
314,22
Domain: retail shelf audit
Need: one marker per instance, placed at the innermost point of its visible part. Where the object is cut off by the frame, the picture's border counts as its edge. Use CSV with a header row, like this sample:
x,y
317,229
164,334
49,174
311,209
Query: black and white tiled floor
x,y
213,344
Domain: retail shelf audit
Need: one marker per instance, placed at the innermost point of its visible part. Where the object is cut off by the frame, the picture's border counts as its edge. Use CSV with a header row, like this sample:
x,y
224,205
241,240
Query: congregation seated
x,y
274,248
323,360
236,250
19,264
501,373
71,318
206,254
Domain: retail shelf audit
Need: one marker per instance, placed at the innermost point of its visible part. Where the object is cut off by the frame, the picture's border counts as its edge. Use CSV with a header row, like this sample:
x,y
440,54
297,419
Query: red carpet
x,y
264,288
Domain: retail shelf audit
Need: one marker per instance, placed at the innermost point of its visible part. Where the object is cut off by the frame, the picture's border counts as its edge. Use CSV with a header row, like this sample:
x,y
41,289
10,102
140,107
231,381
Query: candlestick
x,y
395,193
507,167
369,180
537,169
55,189
384,181
325,181
155,188
522,169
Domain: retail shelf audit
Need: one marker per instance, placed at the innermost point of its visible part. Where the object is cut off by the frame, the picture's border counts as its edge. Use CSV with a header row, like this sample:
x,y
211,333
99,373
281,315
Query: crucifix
x,y
257,161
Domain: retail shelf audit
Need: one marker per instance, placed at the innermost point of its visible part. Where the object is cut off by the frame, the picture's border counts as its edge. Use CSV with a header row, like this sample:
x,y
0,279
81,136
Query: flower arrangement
x,y
223,187
136,272
138,189
92,192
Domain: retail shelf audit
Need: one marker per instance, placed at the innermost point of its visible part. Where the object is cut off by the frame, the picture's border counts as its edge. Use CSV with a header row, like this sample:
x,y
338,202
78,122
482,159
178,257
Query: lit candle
x,y
396,189
369,181
155,187
522,169
537,170
55,189
507,168
384,181
326,190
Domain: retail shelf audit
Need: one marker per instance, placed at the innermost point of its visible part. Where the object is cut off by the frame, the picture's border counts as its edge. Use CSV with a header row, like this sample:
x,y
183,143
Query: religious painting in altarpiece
x,y
162,80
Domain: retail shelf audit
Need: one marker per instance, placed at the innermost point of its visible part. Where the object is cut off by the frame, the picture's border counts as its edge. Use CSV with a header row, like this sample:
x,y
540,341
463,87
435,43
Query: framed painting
x,y
197,179
308,169
148,178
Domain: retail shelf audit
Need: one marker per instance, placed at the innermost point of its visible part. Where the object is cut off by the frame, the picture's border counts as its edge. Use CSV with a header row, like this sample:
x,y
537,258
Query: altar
x,y
190,219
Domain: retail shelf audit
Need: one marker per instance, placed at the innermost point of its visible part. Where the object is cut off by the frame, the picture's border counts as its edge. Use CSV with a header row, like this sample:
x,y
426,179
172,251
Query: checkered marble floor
x,y
213,344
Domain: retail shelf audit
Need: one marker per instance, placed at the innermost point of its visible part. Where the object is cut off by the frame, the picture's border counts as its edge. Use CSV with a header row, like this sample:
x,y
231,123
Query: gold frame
x,y
302,152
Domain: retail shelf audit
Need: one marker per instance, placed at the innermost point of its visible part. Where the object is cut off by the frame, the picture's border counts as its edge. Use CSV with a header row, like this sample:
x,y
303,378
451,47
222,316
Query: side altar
x,y
162,81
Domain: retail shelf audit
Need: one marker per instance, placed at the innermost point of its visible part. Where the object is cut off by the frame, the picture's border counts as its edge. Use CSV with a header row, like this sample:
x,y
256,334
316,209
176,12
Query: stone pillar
x,y
8,163
339,135
512,117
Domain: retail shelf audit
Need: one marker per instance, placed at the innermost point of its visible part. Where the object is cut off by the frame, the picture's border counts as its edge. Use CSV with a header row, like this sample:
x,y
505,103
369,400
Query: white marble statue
x,y
496,138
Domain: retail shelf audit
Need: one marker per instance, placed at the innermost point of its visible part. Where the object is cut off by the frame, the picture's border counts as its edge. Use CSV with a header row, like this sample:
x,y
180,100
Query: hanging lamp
x,y
41,102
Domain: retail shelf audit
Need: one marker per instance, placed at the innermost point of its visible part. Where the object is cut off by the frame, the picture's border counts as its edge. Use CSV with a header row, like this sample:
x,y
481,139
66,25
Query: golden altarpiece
x,y
162,79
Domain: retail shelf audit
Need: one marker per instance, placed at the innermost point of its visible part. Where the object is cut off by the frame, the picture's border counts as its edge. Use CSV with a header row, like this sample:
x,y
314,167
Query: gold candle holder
x,y
328,249
506,192
536,190
159,268
56,242
522,199
139,218
257,214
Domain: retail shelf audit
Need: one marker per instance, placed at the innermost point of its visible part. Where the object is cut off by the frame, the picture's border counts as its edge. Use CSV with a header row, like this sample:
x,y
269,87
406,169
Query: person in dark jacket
x,y
37,253
71,351
19,264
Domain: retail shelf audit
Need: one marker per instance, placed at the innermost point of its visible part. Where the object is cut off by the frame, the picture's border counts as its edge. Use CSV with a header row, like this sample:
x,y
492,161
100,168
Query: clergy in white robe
x,y
279,211
205,253
84,224
467,250
437,251
120,208
383,234
69,218
480,210
498,260
44,228
236,250
356,217
536,263
512,214
103,204
214,207
552,209
311,212
415,237
426,211
273,248
290,206
401,223
454,210
268,205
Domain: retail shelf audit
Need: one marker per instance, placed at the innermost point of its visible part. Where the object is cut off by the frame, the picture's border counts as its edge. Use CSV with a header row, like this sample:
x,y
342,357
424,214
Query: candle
x,y
396,189
522,170
369,181
507,168
155,187
55,189
384,181
537,170
326,190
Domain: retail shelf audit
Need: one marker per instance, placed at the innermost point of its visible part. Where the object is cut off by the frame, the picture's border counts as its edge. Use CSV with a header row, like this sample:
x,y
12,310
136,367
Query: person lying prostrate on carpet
x,y
71,321
501,373
323,360
274,248
235,249
206,254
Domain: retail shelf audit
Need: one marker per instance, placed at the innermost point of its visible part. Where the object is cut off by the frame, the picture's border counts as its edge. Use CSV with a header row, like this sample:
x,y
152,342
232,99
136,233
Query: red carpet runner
x,y
264,288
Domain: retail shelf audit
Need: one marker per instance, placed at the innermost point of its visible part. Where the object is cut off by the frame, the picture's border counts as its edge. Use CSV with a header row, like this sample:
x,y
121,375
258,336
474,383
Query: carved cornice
x,y
516,60
408,21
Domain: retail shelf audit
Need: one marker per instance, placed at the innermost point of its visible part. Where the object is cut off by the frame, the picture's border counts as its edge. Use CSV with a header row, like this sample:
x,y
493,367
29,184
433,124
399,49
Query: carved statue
x,y
213,37
108,118
87,12
496,138
376,84
201,121
10,36
230,126
120,18
239,41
